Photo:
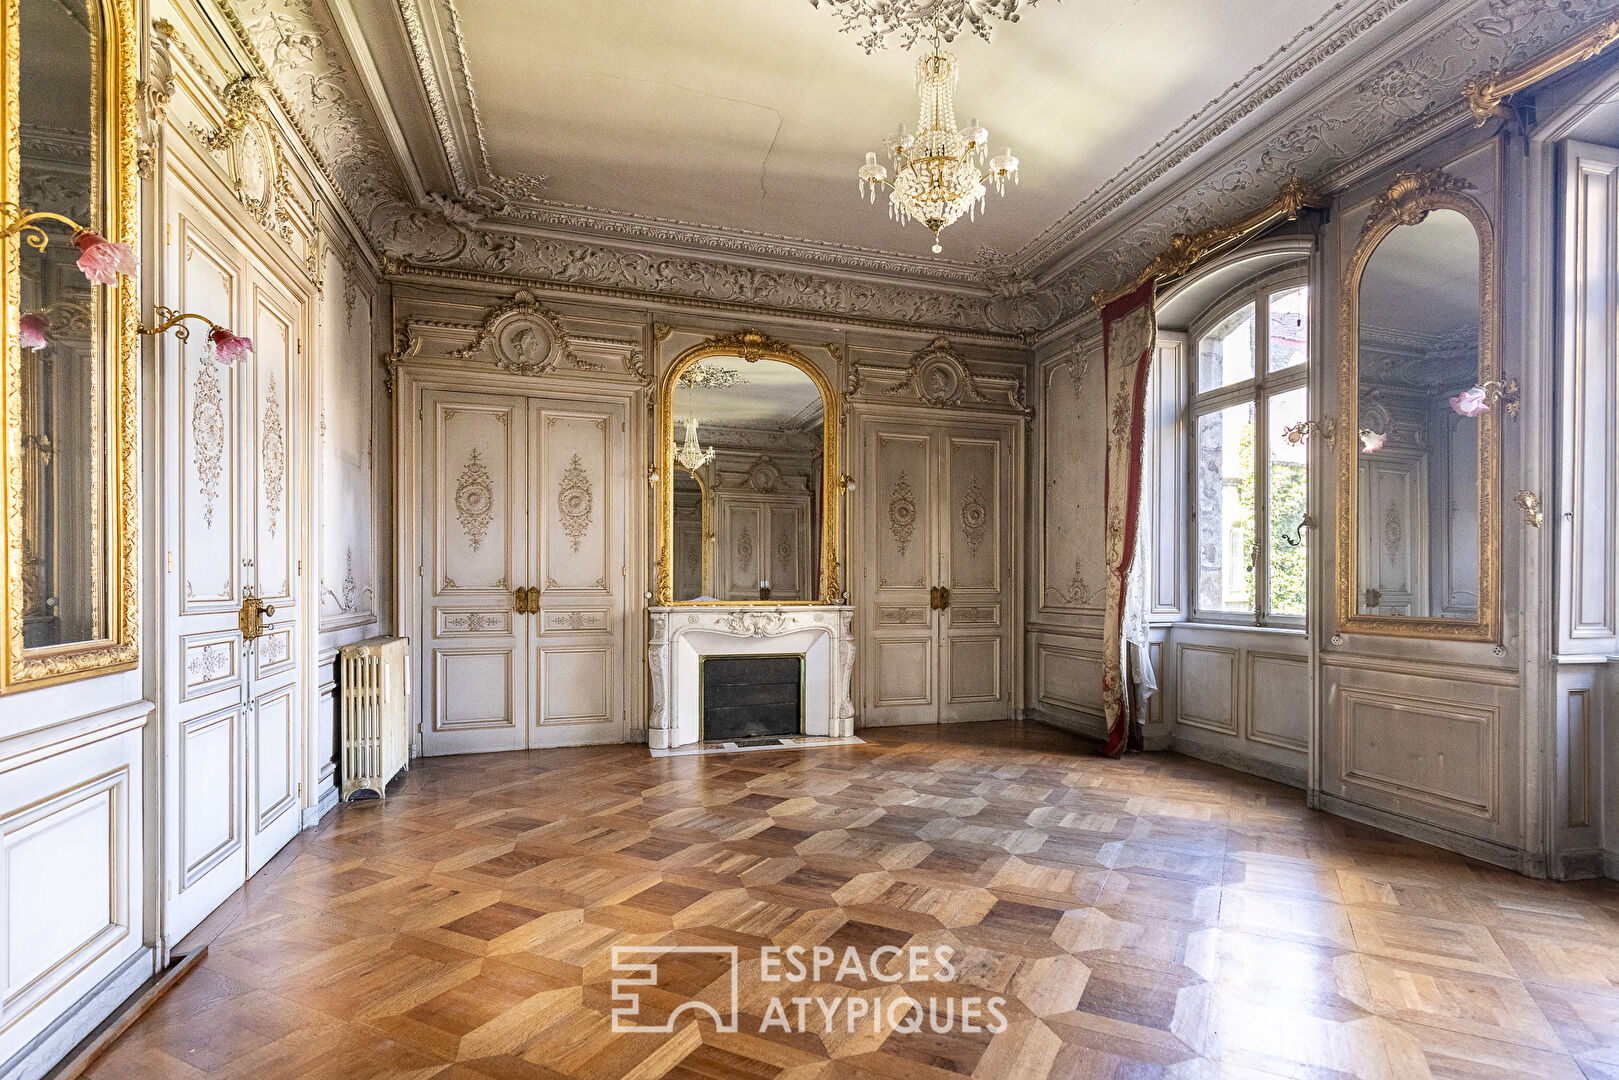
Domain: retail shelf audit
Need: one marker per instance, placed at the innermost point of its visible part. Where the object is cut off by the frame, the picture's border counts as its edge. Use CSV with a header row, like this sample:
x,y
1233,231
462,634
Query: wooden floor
x,y
1154,917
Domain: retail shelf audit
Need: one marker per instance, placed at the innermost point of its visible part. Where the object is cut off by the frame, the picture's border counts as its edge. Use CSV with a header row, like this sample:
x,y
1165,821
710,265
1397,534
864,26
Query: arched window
x,y
1249,355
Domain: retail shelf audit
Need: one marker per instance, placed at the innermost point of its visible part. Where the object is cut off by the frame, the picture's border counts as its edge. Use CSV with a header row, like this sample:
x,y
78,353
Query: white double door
x,y
231,468
524,526
937,576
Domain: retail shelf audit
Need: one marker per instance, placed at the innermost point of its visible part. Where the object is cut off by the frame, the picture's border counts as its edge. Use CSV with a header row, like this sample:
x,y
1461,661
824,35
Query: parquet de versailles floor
x,y
1155,917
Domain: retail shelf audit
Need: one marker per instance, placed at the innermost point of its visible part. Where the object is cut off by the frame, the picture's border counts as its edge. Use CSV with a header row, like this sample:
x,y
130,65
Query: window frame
x,y
1257,390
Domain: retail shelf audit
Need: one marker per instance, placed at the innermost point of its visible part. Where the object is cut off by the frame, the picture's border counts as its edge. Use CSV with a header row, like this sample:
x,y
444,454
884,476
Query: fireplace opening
x,y
747,697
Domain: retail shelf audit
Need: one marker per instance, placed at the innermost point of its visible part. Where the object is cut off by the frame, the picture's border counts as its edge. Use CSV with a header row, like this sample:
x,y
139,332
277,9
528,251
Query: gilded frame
x,y
751,346
20,667
1408,201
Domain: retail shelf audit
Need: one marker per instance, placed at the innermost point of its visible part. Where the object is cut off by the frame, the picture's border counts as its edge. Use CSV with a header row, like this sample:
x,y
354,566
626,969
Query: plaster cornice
x,y
1388,94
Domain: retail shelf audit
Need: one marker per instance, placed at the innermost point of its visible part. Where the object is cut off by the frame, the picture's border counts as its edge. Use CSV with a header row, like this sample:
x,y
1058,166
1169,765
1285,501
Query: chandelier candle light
x,y
690,454
936,171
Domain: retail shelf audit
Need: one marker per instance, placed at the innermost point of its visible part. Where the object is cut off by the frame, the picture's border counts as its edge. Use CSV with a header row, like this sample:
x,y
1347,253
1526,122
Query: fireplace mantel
x,y
682,636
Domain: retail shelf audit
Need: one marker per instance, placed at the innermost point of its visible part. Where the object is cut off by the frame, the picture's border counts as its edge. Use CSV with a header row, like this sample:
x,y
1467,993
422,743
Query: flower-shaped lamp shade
x,y
228,348
34,331
102,260
1470,402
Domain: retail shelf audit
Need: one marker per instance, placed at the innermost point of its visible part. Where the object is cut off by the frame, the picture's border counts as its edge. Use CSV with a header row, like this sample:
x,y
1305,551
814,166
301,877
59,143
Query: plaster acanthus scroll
x,y
475,499
913,20
273,454
208,436
575,502
756,623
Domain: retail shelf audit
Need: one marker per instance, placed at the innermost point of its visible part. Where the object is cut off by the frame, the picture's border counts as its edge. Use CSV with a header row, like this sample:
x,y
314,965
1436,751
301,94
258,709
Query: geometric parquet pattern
x,y
1151,917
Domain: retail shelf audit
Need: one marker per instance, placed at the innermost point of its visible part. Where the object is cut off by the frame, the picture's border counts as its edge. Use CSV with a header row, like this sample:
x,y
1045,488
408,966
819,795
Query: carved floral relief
x,y
575,502
475,500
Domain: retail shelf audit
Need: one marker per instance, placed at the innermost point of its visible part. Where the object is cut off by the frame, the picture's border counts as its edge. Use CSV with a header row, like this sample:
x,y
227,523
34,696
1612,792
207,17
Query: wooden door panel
x,y
209,430
474,504
575,508
976,527
786,549
576,640
207,669
270,451
741,539
900,674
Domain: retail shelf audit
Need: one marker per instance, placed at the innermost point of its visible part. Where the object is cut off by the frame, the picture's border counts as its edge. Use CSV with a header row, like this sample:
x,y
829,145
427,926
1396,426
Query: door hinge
x,y
300,346
300,789
300,568
168,232
418,569
171,562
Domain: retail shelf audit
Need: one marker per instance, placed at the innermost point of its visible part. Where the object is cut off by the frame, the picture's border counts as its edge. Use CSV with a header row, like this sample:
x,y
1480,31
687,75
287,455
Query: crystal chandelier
x,y
936,170
690,454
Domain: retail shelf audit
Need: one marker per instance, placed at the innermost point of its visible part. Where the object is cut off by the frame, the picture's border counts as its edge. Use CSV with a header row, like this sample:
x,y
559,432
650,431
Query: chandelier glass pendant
x,y
690,454
937,175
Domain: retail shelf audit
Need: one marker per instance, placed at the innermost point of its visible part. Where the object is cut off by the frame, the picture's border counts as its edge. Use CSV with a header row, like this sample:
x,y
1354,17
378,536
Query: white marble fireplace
x,y
682,636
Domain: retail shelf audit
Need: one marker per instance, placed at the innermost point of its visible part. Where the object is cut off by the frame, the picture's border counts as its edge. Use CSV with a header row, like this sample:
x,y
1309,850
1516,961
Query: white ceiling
x,y
768,395
1423,279
753,115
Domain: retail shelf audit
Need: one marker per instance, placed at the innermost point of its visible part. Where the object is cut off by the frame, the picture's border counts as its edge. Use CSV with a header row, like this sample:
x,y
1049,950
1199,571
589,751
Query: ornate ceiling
x,y
685,148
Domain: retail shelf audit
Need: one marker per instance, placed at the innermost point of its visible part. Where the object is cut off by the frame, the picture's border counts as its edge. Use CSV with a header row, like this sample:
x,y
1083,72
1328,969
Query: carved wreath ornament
x,y
974,515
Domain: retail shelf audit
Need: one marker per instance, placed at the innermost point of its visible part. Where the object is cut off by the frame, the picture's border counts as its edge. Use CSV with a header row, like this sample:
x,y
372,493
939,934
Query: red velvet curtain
x,y
1129,334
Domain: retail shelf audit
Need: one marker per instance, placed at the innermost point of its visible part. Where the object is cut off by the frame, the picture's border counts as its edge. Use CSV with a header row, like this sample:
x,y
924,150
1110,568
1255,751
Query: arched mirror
x,y
748,438
69,390
1419,437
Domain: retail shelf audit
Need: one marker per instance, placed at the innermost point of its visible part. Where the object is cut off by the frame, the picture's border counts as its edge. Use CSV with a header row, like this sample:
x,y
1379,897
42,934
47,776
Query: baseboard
x,y
49,1047
1297,776
1086,724
328,800
1610,864
1514,859
89,1049
1577,865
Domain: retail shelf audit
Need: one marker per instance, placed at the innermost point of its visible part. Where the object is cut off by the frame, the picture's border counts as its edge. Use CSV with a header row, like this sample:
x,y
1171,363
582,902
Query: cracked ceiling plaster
x,y
541,141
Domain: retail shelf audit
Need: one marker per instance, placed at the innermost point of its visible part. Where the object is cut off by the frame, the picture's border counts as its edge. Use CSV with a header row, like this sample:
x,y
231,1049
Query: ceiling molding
x,y
1228,159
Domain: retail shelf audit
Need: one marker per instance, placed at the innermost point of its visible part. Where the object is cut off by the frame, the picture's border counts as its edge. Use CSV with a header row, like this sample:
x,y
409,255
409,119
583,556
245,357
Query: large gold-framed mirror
x,y
1419,431
747,431
69,417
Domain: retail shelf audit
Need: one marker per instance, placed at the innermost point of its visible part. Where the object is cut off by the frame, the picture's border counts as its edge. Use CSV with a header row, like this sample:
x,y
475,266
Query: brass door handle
x,y
250,619
933,598
944,598
520,600
533,599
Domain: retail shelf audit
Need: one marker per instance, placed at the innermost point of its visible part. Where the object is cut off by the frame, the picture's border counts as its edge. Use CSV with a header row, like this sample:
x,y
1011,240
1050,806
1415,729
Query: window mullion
x,y
1261,549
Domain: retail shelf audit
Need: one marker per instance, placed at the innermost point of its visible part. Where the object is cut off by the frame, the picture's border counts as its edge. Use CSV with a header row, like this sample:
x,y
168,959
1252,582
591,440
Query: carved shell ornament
x,y
575,501
475,500
902,513
1406,200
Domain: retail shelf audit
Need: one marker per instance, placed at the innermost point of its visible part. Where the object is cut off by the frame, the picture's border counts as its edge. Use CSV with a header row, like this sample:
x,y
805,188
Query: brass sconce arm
x,y
15,221
1297,433
1529,503
169,319
1505,394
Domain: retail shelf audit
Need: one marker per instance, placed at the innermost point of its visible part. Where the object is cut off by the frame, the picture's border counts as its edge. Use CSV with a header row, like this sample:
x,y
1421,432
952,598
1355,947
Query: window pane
x,y
1225,509
1288,501
1226,353
1289,328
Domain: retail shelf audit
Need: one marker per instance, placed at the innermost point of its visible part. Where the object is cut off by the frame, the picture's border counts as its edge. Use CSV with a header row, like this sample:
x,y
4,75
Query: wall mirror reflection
x,y
1423,447
63,381
748,443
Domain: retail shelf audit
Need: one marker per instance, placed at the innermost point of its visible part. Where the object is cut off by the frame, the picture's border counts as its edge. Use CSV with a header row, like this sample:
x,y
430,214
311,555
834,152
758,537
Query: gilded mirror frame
x,y
751,346
1408,201
116,61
